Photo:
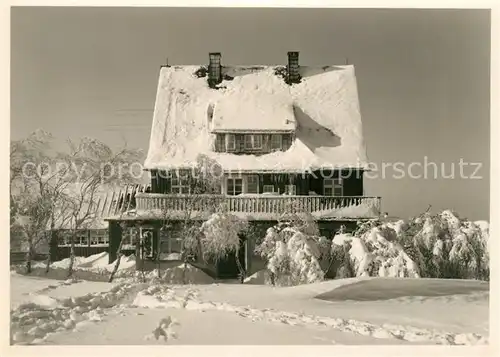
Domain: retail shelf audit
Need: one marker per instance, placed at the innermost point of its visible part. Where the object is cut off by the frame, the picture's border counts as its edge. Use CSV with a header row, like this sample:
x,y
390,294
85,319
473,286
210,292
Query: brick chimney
x,y
214,69
293,68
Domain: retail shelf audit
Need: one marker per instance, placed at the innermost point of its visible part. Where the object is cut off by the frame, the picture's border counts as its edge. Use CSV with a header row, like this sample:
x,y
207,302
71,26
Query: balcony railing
x,y
262,206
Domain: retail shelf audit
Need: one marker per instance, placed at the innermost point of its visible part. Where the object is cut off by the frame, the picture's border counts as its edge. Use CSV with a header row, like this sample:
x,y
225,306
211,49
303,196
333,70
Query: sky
x,y
423,80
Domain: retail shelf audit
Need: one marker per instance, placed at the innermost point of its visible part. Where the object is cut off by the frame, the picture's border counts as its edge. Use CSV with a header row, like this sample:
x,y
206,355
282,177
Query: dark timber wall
x,y
353,181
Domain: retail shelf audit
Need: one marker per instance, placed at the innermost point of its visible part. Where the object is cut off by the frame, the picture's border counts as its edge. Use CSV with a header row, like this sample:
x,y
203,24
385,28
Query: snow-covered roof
x,y
323,108
249,107
108,200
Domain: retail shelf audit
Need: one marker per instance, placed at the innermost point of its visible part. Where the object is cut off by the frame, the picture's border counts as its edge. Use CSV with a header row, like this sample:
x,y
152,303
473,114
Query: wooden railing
x,y
324,206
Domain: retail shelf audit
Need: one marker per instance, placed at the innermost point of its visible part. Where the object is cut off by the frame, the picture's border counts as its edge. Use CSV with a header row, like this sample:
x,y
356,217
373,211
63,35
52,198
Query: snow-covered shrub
x,y
375,252
341,264
292,255
446,246
433,245
221,235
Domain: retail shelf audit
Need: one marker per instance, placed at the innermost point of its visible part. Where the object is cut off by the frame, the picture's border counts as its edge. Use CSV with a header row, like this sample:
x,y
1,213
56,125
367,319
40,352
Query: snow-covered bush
x,y
292,255
341,264
446,246
431,245
375,253
221,235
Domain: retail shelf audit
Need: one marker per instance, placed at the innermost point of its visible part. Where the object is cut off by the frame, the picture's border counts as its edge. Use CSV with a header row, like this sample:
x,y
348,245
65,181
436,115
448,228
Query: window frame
x,y
286,141
280,140
333,184
249,142
256,183
294,193
230,138
233,179
267,186
220,143
82,235
182,182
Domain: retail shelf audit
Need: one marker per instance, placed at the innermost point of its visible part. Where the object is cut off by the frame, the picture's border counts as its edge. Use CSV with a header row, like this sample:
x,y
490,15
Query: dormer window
x,y
253,141
276,142
220,143
230,142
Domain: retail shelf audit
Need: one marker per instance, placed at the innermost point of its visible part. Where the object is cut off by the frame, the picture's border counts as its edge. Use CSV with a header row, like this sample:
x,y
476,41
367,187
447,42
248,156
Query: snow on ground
x,y
58,308
356,311
464,316
26,289
204,328
95,263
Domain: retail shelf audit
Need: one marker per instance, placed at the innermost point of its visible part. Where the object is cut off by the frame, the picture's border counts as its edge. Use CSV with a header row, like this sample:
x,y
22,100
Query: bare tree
x,y
95,168
50,189
36,181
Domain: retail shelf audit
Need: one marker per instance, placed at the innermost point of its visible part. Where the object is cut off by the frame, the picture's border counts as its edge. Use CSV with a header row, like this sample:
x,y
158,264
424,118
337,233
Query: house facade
x,y
259,141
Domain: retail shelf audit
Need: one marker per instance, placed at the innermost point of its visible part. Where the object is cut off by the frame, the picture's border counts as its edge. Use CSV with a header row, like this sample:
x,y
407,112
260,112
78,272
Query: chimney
x,y
293,68
214,69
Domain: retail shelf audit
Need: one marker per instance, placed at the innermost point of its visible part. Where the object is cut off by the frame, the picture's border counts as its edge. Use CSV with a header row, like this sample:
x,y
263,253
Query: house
x,y
269,139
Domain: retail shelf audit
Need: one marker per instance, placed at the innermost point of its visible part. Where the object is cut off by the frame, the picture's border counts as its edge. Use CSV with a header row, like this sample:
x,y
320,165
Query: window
x,y
230,142
248,142
291,190
180,184
268,188
333,187
171,247
146,240
257,141
252,184
99,236
81,238
276,142
220,145
286,142
234,186
129,237
253,141
64,238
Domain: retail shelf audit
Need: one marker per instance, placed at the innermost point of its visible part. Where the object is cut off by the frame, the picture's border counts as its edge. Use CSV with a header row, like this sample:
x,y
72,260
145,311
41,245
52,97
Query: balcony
x,y
256,207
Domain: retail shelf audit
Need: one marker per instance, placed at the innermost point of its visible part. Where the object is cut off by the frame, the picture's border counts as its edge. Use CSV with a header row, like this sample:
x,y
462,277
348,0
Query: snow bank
x,y
178,275
97,263
185,274
261,277
326,112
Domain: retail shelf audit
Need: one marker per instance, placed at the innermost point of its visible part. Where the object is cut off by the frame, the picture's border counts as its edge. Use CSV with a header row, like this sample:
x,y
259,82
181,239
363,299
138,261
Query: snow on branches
x,y
221,235
293,256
